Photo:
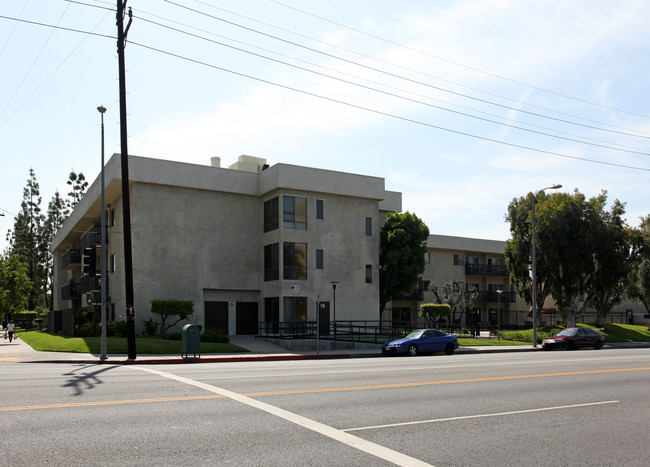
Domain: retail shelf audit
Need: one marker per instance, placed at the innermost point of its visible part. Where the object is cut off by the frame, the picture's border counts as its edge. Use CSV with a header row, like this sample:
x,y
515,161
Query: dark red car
x,y
572,338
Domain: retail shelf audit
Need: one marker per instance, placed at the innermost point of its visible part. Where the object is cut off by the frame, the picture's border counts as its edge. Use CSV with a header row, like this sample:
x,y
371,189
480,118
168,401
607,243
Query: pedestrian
x,y
10,329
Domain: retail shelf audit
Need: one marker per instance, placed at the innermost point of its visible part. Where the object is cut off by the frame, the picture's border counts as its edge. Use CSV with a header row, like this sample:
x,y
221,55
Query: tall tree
x,y
518,252
403,243
57,212
78,184
15,285
27,237
616,256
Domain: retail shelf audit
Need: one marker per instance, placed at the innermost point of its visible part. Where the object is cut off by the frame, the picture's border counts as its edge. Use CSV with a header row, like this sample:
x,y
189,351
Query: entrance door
x,y
216,317
324,318
247,318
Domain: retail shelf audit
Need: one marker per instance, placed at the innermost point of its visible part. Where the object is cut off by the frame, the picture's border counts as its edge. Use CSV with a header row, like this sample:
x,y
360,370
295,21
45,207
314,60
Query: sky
x,y
461,106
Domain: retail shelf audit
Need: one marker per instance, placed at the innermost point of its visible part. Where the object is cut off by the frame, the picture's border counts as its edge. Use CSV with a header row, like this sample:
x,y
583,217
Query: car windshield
x,y
567,332
414,334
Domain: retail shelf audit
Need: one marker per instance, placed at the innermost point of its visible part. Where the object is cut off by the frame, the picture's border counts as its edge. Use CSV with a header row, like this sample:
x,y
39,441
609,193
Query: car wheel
x,y
413,350
598,344
571,345
449,349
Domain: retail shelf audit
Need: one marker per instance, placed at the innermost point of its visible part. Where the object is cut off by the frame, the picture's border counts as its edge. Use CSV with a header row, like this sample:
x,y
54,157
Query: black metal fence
x,y
364,331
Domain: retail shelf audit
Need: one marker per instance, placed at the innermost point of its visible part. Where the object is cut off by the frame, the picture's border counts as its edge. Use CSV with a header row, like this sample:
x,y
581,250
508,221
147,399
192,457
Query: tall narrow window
x,y
368,273
294,213
294,261
271,215
369,226
319,209
427,257
272,262
319,259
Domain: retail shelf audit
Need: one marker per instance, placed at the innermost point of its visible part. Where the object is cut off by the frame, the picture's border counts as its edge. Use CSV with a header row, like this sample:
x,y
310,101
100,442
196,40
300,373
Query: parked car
x,y
572,338
422,341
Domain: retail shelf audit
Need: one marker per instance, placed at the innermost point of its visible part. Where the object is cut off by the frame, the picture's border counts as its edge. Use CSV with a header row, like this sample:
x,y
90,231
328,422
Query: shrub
x,y
116,329
211,336
150,327
167,308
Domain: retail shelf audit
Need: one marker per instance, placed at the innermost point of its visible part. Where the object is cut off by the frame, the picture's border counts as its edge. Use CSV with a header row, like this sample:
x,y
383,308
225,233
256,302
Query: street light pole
x,y
101,110
334,284
553,187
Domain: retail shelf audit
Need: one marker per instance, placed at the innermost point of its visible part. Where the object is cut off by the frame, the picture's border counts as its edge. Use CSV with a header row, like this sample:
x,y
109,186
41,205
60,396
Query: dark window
x,y
295,309
459,260
272,315
294,213
368,273
369,226
319,209
272,262
319,259
295,261
271,216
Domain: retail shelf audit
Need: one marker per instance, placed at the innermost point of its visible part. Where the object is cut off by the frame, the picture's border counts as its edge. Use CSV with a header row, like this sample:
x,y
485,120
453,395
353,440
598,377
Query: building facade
x,y
246,244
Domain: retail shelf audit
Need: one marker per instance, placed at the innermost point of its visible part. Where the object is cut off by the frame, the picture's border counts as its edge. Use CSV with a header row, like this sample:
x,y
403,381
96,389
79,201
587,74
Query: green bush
x,y
150,328
116,329
166,308
210,336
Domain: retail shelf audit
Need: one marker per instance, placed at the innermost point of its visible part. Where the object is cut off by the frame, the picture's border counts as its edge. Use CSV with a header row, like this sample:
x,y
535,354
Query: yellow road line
x,y
321,390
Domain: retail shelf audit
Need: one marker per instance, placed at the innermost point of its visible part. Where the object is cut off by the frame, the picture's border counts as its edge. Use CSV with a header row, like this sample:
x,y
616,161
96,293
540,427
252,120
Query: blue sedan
x,y
422,341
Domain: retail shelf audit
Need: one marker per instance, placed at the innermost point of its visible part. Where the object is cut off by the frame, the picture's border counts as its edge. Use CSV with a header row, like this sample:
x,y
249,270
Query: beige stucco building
x,y
246,244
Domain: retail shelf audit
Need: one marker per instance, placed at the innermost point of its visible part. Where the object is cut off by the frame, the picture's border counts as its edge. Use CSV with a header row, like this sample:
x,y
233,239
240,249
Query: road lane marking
x,y
444,381
467,417
100,403
312,391
361,444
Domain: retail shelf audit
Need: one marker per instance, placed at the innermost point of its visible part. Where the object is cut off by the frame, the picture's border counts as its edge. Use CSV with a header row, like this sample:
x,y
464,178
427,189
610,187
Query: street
x,y
537,408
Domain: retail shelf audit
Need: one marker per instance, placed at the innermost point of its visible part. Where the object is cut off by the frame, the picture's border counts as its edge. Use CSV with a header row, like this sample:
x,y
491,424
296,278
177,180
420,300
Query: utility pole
x,y
126,198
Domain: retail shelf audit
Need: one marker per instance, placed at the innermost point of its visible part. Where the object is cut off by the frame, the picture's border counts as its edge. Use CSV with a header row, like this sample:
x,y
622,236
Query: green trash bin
x,y
191,341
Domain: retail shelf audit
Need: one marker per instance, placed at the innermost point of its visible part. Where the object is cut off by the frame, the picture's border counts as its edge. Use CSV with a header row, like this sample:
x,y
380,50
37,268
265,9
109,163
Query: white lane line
x,y
376,450
467,417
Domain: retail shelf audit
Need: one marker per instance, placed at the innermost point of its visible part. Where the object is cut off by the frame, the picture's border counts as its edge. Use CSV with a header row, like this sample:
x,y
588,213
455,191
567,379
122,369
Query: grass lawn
x,y
612,333
43,341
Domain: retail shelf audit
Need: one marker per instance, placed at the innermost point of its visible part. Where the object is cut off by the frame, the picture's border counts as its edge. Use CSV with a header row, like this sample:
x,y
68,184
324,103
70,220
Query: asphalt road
x,y
539,408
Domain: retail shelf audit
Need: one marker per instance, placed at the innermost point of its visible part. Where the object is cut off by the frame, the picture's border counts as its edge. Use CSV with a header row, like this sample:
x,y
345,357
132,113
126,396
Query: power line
x,y
379,112
438,88
527,104
396,95
458,63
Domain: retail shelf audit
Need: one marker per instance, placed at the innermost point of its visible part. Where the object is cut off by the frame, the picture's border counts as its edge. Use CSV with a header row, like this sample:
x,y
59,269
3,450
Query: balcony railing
x,y
486,270
496,297
71,291
71,258
93,237
416,295
90,283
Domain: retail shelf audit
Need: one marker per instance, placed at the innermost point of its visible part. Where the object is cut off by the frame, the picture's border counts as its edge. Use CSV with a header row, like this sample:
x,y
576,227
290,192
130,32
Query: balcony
x,y
89,283
93,237
71,291
71,259
417,295
491,296
486,270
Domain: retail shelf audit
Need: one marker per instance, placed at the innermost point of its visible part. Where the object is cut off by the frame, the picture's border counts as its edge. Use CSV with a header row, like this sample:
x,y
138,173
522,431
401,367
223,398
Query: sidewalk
x,y
259,350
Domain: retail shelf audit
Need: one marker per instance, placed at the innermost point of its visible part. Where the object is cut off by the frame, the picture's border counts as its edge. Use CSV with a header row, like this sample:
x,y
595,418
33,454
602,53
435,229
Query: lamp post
x,y
553,187
102,110
334,284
